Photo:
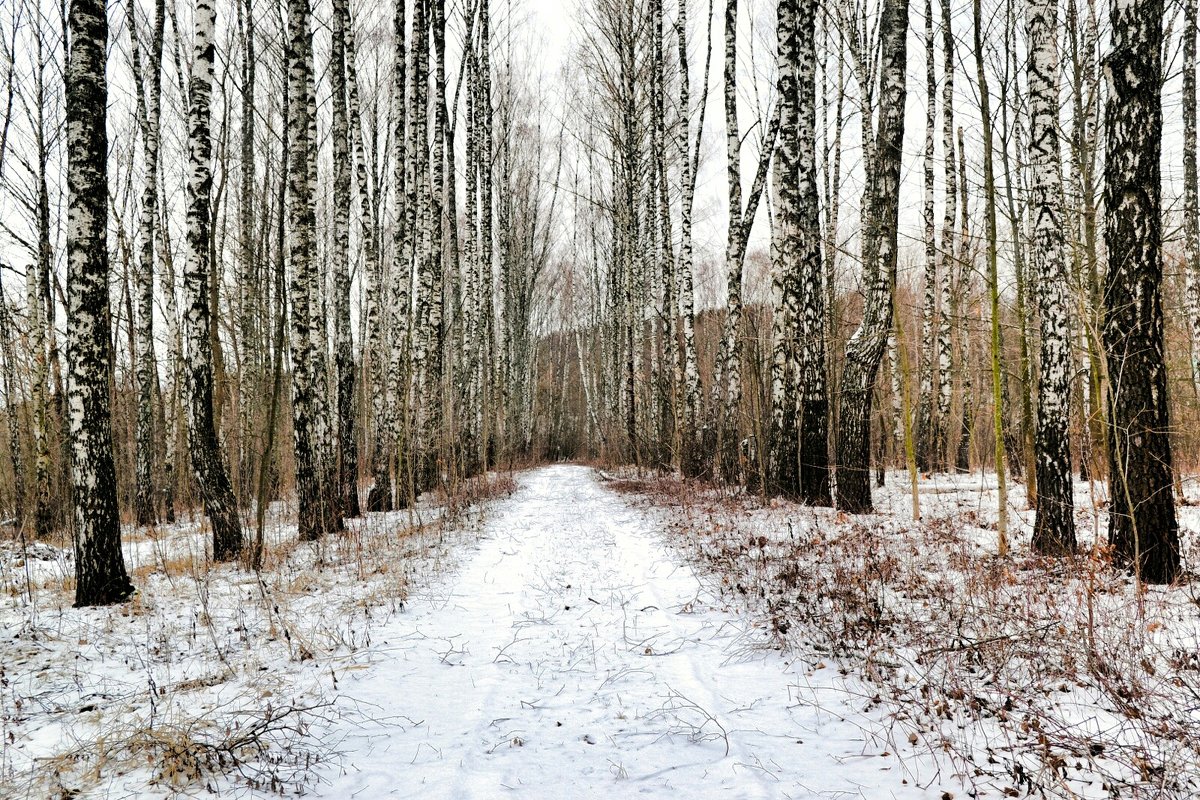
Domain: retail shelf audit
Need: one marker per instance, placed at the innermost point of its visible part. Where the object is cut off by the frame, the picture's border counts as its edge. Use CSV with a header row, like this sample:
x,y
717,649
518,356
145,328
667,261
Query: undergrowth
x,y
213,678
1027,676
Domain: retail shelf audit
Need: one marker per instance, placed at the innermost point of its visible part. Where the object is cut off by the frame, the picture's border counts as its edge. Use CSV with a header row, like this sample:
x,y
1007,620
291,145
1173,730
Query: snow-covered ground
x,y
575,656
552,645
1023,676
589,637
212,676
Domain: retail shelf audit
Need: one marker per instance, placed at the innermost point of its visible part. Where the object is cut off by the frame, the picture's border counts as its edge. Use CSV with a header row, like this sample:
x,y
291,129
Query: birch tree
x,y
1083,71
1143,529
313,518
865,349
800,459
344,361
254,284
929,305
939,439
993,281
216,491
689,157
11,401
379,495
728,377
148,84
1054,528
1191,189
100,576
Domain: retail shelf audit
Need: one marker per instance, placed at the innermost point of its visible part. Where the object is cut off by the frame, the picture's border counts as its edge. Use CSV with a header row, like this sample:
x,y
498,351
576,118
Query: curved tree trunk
x,y
865,349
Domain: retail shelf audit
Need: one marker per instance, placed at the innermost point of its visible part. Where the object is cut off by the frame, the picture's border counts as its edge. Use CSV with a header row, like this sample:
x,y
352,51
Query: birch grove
x,y
393,238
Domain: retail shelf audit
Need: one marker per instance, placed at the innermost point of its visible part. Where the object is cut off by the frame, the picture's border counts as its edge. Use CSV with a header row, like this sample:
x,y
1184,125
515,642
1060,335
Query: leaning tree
x,y
865,349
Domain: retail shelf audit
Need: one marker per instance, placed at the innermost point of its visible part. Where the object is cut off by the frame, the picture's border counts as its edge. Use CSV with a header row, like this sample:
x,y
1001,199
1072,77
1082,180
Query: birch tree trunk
x,y
929,308
728,372
149,93
729,364
41,308
1010,133
1142,525
254,286
11,401
211,477
833,174
494,307
100,576
964,302
940,440
1191,205
393,301
174,417
801,460
670,400
690,460
814,419
993,279
1054,528
313,519
324,400
403,254
423,341
345,367
865,349
375,353
785,379
434,379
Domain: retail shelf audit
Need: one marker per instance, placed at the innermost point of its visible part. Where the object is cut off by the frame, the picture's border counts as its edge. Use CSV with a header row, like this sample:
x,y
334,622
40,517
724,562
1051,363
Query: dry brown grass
x,y
174,567
231,632
269,751
1035,676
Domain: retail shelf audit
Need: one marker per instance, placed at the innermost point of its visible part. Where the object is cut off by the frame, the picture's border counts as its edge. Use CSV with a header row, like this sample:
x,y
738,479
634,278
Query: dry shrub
x,y
461,496
265,750
1042,677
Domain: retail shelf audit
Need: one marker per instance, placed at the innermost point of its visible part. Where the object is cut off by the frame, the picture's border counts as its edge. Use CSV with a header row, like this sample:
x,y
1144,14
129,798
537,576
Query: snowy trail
x,y
574,656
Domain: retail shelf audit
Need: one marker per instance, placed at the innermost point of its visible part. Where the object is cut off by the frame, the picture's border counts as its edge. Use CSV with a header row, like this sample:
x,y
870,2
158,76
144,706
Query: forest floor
x,y
593,635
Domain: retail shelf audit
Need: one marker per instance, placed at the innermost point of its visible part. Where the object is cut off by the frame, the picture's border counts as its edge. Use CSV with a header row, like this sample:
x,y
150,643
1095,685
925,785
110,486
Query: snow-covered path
x,y
574,656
